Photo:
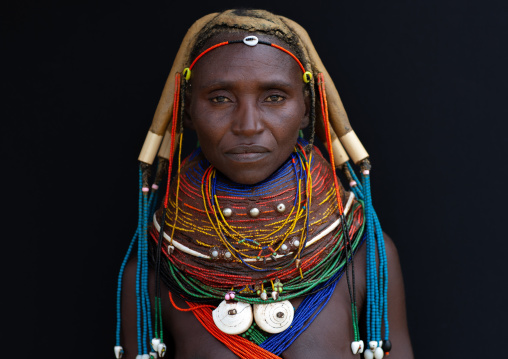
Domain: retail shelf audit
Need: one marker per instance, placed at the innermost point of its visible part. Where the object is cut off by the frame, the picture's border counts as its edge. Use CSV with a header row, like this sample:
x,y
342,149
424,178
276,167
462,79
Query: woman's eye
x,y
274,98
220,99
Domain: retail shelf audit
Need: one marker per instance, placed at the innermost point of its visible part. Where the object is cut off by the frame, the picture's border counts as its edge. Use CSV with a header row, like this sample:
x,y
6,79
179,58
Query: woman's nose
x,y
247,120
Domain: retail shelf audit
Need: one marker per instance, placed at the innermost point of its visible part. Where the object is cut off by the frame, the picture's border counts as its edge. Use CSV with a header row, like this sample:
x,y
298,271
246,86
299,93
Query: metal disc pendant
x,y
227,212
274,317
233,318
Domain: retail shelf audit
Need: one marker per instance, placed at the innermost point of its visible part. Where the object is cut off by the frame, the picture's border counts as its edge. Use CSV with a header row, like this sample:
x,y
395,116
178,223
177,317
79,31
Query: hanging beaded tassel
x,y
377,286
357,344
158,341
143,310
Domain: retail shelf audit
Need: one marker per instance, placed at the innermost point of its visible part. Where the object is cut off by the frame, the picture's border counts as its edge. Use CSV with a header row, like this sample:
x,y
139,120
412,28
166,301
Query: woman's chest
x,y
328,336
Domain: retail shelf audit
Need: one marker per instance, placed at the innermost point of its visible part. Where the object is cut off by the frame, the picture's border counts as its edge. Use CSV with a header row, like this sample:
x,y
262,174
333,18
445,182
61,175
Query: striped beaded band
x,y
249,41
194,253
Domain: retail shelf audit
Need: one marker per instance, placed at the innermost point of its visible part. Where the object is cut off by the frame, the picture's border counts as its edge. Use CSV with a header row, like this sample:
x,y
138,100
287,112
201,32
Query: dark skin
x,y
247,105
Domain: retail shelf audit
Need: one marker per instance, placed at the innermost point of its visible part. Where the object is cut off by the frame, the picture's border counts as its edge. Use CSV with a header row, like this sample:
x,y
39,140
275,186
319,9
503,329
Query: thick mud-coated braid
x,y
176,102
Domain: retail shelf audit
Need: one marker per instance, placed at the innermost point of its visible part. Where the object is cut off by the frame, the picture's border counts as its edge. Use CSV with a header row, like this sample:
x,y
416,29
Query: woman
x,y
255,232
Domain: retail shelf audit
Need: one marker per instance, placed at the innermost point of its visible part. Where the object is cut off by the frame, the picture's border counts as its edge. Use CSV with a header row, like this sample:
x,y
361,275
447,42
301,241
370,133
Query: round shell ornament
x,y
233,318
378,353
368,354
281,208
274,317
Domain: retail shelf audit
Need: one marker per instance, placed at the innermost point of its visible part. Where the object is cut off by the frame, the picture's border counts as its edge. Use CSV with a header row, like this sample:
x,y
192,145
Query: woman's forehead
x,y
239,60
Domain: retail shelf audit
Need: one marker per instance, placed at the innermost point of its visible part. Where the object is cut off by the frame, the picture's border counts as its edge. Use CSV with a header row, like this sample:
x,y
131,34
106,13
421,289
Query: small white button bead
x,y
227,212
296,243
254,212
284,247
251,40
281,208
227,255
264,296
215,253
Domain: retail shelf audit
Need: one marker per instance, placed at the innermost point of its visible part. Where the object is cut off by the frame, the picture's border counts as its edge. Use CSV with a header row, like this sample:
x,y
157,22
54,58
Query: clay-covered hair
x,y
298,42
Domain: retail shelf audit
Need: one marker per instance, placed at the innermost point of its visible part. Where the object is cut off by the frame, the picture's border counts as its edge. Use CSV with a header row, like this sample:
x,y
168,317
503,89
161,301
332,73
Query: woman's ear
x,y
306,116
187,121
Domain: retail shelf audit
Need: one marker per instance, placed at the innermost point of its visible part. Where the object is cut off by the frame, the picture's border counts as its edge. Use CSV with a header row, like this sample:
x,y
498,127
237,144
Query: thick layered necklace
x,y
273,250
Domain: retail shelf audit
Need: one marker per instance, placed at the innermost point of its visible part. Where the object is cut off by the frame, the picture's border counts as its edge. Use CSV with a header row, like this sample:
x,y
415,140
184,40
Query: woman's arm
x,y
399,333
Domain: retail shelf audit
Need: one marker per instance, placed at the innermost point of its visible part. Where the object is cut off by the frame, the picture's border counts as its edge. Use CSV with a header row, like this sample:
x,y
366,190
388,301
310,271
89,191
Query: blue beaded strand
x,y
124,263
144,272
358,190
305,314
377,301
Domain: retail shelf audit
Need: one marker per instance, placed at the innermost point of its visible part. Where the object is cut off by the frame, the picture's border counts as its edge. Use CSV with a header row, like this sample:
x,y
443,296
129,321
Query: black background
x,y
424,84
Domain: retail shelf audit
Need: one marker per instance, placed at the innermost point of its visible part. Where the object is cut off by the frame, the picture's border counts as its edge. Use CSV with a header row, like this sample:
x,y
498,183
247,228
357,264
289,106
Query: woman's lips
x,y
247,153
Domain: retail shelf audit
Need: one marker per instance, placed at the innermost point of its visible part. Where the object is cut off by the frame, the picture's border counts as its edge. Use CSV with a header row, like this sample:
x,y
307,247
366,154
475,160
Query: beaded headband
x,y
249,41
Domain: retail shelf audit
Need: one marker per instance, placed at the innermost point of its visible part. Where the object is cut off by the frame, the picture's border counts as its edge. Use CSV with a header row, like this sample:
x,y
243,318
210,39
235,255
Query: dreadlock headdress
x,y
259,21
328,119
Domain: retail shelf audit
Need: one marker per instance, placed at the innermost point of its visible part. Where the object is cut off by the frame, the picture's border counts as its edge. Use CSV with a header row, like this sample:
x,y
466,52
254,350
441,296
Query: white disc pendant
x,y
233,318
274,317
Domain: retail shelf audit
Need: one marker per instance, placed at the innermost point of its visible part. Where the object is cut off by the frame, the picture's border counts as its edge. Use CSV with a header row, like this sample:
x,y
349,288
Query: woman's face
x,y
247,105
